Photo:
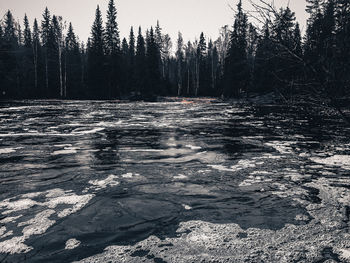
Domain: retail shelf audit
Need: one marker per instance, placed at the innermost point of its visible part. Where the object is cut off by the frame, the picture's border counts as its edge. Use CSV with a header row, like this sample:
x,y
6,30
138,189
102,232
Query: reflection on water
x,y
77,177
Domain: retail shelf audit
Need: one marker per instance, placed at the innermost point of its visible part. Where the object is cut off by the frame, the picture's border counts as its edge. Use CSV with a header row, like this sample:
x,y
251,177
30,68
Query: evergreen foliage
x,y
48,61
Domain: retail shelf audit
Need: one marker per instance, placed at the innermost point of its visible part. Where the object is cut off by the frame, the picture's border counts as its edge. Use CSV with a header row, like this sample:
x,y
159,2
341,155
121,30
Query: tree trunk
x,y
35,60
188,81
60,69
65,75
46,73
197,79
179,75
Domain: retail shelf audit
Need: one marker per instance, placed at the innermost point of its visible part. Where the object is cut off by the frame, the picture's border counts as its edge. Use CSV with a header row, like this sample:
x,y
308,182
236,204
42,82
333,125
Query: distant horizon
x,y
189,23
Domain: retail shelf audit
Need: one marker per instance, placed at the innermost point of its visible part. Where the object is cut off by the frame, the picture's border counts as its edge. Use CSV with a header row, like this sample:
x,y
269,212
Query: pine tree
x,y
36,51
236,67
73,68
200,64
11,84
180,61
131,43
159,39
45,31
96,59
27,33
26,64
112,31
262,64
10,36
343,46
112,46
153,58
125,66
2,66
56,49
140,63
131,60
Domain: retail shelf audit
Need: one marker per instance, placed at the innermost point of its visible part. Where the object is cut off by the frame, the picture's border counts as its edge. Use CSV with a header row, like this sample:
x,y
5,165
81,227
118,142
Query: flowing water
x,y
184,181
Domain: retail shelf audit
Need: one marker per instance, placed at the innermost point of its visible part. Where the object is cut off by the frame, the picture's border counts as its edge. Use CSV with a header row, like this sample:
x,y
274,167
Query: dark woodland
x,y
39,61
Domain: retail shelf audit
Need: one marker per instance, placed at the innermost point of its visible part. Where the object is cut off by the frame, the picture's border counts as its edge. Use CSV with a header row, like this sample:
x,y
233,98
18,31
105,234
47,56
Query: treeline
x,y
47,60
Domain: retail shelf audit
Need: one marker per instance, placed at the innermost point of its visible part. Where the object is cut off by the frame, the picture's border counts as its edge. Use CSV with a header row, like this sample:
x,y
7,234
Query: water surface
x,y
157,182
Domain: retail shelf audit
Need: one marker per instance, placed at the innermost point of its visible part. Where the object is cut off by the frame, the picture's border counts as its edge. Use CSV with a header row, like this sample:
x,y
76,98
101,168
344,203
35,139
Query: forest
x,y
260,53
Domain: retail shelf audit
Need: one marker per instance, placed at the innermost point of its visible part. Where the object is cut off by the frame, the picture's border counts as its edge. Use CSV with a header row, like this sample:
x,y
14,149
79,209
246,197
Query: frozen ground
x,y
190,181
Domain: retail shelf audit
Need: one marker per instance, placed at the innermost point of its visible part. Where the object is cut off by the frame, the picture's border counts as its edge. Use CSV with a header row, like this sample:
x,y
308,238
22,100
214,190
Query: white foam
x,y
63,145
336,160
78,203
102,184
14,245
41,222
242,164
13,206
128,175
140,150
65,151
281,147
7,150
345,254
92,131
9,219
192,147
180,177
72,244
187,207
38,225
2,230
221,168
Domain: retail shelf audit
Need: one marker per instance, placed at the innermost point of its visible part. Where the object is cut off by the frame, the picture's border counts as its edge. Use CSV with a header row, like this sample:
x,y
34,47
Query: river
x,y
183,181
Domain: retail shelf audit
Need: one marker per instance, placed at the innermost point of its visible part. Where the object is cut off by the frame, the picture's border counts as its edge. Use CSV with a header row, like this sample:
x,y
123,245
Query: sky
x,y
191,17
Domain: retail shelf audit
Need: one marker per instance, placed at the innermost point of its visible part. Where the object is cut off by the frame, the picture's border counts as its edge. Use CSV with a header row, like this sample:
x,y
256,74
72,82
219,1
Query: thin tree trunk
x,y
60,68
46,73
197,84
35,58
188,81
65,75
180,79
212,72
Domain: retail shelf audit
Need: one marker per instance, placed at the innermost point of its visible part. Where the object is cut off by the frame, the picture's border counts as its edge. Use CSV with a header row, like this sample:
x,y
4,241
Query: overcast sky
x,y
188,16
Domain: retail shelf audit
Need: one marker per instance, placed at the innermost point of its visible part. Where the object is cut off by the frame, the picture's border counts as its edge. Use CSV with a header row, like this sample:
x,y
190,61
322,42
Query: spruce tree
x,y
180,61
27,66
125,67
201,77
153,58
11,84
72,68
236,68
96,59
27,33
45,31
131,60
140,63
112,31
112,47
